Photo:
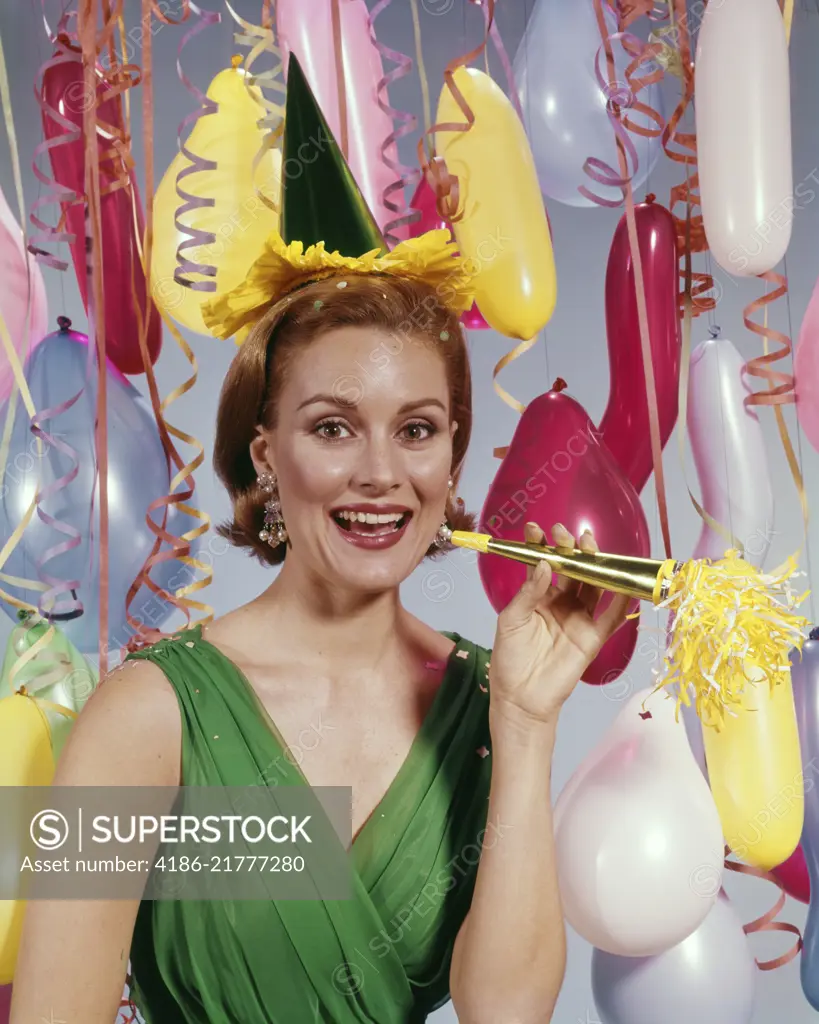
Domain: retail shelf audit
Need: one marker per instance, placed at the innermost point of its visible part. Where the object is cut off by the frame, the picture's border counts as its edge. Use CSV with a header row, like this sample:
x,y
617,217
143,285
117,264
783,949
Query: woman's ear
x,y
260,452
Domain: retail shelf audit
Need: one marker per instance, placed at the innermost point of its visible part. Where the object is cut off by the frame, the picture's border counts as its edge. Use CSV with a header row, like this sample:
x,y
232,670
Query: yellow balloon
x,y
504,233
239,219
755,770
26,759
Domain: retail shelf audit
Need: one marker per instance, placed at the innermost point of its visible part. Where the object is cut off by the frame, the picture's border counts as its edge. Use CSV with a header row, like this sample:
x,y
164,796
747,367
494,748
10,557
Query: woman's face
x,y
364,429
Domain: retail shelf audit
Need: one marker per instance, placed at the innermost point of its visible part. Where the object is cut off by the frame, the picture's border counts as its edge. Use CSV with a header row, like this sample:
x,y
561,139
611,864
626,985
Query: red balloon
x,y
624,428
64,91
557,471
430,220
793,874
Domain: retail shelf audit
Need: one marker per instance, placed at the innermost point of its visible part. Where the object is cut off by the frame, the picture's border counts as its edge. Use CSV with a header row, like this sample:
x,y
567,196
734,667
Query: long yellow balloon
x,y
755,770
238,218
504,232
26,759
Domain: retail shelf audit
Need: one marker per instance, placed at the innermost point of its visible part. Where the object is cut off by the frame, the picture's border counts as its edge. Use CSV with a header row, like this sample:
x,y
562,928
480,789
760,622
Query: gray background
x,y
573,346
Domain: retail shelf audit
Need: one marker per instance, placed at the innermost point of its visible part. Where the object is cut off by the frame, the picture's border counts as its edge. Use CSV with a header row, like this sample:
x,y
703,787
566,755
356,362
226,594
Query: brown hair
x,y
409,310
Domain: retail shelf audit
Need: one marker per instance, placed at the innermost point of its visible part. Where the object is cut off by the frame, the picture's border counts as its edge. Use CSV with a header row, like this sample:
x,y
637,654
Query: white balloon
x,y
743,118
729,453
732,467
709,978
638,838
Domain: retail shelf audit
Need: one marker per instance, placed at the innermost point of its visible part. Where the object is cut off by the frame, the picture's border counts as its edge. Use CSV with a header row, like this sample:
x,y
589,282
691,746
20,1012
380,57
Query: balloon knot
x,y
63,323
650,197
559,385
236,60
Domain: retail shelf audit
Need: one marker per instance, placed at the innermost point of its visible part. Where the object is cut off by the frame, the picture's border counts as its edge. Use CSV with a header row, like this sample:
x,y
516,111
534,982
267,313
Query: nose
x,y
379,468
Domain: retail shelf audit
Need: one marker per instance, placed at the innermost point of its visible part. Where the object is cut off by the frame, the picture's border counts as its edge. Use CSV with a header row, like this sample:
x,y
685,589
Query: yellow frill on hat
x,y
431,258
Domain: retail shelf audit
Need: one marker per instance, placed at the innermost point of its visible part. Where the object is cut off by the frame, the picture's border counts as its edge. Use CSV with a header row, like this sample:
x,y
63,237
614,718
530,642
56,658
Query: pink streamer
x,y
406,176
196,237
57,586
56,195
503,57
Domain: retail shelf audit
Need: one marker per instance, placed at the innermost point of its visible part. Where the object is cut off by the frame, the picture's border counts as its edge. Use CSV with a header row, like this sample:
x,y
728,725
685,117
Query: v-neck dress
x,y
380,957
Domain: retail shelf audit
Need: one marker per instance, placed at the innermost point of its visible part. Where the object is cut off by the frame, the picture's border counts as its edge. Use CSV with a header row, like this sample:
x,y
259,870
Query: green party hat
x,y
320,201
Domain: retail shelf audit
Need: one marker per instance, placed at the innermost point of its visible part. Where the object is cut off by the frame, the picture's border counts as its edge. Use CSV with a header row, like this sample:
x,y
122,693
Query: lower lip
x,y
386,540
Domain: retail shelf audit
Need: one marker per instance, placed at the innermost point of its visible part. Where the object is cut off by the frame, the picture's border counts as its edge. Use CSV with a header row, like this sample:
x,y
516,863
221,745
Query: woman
x,y
347,480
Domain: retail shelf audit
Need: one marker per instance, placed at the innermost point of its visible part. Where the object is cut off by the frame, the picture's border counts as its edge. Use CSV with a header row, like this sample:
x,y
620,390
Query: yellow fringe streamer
x,y
733,624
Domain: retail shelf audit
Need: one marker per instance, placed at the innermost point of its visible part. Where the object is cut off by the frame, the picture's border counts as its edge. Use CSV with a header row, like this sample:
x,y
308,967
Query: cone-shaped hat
x,y
320,201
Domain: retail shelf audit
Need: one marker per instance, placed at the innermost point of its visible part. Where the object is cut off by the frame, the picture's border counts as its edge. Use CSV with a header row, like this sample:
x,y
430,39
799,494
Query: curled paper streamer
x,y
407,123
445,185
261,39
180,547
780,384
767,922
207,106
604,174
56,195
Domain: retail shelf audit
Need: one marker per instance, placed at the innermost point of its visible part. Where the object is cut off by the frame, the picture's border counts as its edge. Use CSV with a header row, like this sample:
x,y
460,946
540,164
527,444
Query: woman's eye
x,y
419,431
330,430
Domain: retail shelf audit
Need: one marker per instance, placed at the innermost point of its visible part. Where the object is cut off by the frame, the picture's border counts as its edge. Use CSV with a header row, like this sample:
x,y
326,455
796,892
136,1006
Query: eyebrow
x,y
407,407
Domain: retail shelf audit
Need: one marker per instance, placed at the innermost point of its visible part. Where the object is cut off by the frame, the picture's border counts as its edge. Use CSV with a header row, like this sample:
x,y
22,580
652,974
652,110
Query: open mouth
x,y
369,524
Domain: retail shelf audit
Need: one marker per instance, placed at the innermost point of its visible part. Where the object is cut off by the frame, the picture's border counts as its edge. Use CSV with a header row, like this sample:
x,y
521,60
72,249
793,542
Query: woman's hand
x,y
547,635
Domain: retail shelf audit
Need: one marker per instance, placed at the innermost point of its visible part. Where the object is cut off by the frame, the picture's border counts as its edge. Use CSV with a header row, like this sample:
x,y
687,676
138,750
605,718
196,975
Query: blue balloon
x,y
805,680
564,107
138,474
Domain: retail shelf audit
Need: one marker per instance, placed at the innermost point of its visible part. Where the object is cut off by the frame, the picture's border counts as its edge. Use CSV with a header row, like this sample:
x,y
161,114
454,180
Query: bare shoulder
x,y
128,734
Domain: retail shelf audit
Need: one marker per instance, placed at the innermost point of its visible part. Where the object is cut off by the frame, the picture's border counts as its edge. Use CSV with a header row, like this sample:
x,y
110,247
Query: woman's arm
x,y
74,953
510,955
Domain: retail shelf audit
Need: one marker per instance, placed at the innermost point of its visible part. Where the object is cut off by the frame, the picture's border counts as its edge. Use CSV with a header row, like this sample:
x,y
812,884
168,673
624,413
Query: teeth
x,y
370,517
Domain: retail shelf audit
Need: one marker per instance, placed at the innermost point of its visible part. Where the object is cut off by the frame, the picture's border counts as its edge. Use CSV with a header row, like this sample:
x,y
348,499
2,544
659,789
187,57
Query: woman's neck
x,y
338,625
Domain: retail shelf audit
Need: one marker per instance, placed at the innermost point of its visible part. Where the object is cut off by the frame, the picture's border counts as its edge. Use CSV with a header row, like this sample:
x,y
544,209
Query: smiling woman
x,y
305,386
342,430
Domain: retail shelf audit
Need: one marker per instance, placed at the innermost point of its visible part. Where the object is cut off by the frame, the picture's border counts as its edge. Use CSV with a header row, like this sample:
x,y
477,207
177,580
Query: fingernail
x,y
560,526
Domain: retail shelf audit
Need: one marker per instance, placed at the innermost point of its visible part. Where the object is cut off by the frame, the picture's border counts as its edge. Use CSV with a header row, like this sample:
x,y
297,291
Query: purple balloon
x,y
710,976
805,678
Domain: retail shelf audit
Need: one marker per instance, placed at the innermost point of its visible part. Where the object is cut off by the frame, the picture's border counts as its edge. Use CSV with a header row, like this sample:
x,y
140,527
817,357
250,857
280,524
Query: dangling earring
x,y
274,531
444,534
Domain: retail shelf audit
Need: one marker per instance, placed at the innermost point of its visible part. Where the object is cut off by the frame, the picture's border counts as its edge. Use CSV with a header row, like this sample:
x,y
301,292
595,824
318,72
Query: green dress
x,y
382,957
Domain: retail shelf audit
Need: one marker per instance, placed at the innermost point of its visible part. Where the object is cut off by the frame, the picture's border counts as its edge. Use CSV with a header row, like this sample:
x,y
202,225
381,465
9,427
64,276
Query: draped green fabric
x,y
381,957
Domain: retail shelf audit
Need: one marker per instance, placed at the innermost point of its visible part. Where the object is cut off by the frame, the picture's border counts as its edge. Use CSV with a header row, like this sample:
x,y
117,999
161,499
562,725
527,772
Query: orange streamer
x,y
444,184
180,547
642,310
767,922
681,147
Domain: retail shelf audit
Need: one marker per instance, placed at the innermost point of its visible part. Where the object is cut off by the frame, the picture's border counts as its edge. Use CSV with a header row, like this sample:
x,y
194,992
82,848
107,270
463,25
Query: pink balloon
x,y
430,220
806,371
558,471
16,301
624,428
5,1003
793,874
307,30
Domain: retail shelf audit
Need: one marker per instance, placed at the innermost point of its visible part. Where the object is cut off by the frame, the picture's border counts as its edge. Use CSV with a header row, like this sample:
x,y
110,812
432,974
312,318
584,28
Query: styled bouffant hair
x,y
410,311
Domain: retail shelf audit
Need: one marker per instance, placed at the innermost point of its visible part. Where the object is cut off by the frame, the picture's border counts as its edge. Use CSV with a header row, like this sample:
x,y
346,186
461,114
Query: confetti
x,y
341,284
444,335
189,643
462,654
482,752
318,304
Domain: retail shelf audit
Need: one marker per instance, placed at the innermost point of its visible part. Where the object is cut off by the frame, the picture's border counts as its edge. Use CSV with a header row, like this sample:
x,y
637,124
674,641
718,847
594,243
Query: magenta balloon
x,y
806,371
625,427
430,220
793,874
5,1003
558,471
